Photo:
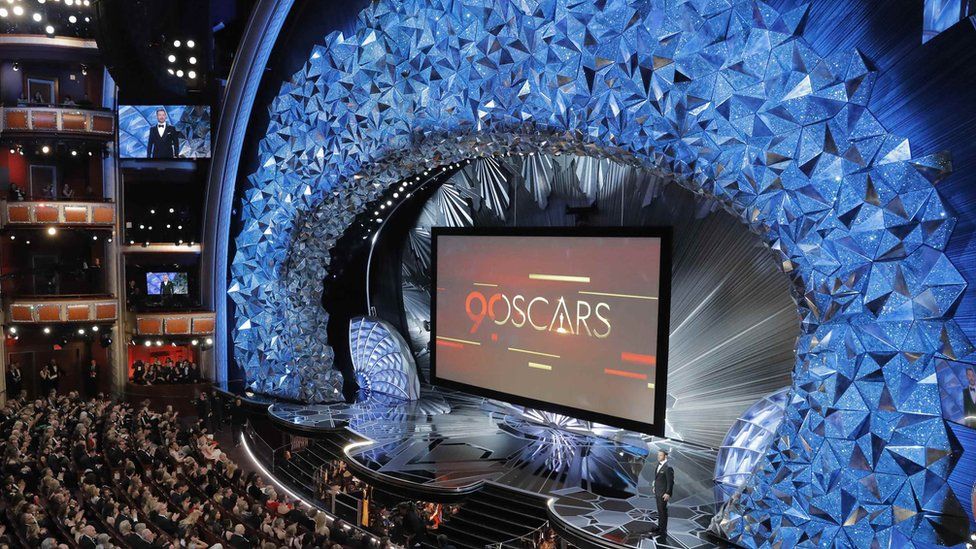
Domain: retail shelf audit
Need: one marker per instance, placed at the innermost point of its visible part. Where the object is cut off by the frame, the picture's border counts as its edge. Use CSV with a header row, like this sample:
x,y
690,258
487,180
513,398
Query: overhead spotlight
x,y
47,330
209,341
36,17
147,343
18,10
194,342
94,237
49,29
12,150
142,226
81,331
74,153
190,43
171,58
13,330
171,210
192,74
171,71
90,153
152,211
193,60
179,227
179,73
159,342
28,242
72,19
52,231
168,225
45,149
4,13
13,237
94,328
176,44
132,242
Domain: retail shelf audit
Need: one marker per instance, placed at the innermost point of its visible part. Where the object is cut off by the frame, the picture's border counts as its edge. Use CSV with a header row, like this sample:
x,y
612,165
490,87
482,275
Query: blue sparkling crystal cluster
x,y
728,99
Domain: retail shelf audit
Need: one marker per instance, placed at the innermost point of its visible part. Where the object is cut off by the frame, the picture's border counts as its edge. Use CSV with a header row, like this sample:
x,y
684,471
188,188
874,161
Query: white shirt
x,y
660,464
972,393
161,129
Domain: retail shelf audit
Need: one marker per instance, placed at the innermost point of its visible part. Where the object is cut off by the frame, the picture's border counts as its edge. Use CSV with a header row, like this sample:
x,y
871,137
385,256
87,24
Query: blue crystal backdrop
x,y
727,99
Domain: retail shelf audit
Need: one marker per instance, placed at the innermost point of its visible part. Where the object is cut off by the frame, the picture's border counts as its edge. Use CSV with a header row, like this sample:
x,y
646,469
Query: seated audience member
x,y
16,193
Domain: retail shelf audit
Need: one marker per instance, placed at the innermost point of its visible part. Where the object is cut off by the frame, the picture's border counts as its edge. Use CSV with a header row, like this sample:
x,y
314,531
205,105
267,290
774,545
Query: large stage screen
x,y
573,321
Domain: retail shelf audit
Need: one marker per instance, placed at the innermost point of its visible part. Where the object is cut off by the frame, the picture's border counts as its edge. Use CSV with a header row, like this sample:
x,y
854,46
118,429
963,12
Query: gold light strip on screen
x,y
458,340
560,278
485,284
538,366
532,352
650,385
628,296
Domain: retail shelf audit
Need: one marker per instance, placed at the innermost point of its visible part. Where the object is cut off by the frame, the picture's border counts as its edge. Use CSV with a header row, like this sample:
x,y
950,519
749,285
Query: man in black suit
x,y
663,488
164,140
165,286
969,399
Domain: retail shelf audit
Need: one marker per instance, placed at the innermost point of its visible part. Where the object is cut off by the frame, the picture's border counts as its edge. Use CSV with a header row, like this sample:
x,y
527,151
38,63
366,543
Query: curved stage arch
x,y
728,100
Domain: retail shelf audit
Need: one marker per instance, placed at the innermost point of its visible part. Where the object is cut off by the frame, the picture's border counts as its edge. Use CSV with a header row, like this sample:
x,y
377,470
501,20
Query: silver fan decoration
x,y
726,287
382,360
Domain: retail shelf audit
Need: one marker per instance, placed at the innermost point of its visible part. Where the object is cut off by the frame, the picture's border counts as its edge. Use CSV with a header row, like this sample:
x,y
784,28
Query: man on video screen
x,y
166,286
164,140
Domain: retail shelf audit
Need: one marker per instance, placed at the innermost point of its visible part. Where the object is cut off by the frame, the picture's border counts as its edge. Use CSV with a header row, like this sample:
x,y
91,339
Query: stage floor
x,y
450,442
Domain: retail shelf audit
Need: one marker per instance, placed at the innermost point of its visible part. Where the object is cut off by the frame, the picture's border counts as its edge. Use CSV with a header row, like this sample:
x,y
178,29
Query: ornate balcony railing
x,y
53,212
55,310
68,120
175,324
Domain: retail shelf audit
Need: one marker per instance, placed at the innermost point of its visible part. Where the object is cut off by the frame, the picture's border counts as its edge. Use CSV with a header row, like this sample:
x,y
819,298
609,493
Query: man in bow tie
x,y
969,399
164,140
663,488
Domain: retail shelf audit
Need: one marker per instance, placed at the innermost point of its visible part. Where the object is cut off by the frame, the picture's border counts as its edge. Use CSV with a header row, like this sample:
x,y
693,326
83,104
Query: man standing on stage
x,y
163,140
663,488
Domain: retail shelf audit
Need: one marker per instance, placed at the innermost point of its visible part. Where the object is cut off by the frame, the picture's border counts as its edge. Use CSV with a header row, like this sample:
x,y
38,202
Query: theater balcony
x,y
51,213
30,120
61,309
178,325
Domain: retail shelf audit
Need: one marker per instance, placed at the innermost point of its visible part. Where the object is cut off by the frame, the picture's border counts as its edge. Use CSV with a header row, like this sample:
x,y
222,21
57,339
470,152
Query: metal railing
x,y
68,119
525,541
348,508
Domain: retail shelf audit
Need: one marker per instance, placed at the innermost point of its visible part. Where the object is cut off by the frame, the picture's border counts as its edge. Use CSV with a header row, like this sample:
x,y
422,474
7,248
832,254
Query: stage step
x,y
492,515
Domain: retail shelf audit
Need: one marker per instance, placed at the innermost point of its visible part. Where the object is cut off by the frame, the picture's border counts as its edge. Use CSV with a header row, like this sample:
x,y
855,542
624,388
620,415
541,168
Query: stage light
x,y
28,243
190,44
37,17
81,331
74,153
171,71
4,13
52,231
194,342
147,343
45,149
94,328
171,210
13,330
12,150
209,341
72,19
192,74
172,58
18,10
193,60
179,227
13,237
152,211
176,44
94,237
142,226
159,342
89,153
179,73
49,29
47,330
168,225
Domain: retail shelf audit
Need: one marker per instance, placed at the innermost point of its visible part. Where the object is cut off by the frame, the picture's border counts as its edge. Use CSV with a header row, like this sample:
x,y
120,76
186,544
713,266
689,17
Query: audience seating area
x,y
98,473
